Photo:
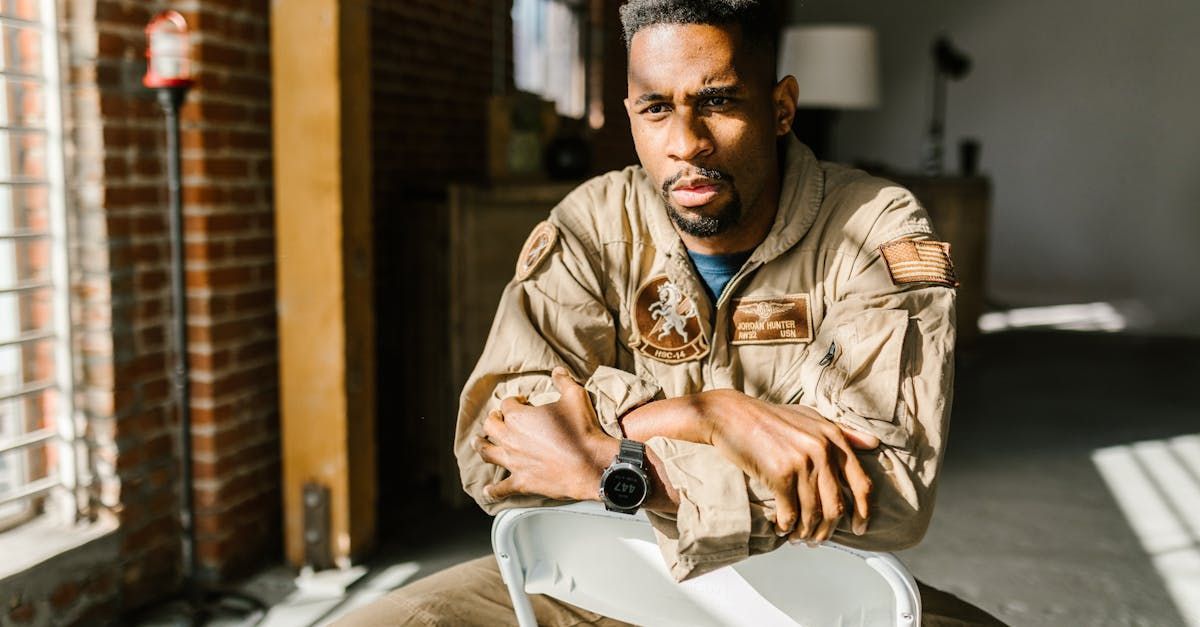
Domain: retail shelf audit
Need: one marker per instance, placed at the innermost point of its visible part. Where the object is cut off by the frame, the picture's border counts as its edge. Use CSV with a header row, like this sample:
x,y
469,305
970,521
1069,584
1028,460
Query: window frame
x,y
56,494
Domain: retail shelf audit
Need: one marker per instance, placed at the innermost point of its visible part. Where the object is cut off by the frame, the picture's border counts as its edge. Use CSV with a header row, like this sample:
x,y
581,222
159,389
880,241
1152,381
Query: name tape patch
x,y
781,320
912,261
537,248
668,323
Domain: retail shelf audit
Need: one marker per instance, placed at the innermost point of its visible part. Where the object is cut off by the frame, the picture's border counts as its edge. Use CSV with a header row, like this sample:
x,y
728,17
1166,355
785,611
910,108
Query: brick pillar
x,y
231,287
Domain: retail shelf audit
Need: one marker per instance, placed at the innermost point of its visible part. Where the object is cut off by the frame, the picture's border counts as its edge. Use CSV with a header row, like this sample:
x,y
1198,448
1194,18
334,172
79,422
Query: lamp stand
x,y
931,157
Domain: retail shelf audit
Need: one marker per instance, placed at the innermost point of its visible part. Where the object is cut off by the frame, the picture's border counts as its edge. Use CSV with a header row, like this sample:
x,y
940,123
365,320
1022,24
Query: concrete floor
x,y
1026,527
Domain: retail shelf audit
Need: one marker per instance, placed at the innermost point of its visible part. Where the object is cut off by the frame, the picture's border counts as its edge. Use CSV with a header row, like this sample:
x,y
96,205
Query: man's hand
x,y
555,450
799,455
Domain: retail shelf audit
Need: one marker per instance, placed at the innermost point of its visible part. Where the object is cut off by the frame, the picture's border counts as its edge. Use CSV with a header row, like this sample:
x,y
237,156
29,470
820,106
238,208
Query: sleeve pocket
x,y
870,365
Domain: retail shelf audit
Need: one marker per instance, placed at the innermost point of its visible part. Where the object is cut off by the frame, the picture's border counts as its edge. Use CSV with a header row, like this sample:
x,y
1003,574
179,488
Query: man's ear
x,y
784,97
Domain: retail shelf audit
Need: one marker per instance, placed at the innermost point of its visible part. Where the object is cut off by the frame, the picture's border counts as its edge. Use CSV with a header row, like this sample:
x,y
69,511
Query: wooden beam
x,y
321,126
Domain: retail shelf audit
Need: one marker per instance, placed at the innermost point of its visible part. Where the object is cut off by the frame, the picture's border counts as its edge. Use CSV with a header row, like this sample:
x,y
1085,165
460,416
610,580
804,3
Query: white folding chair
x,y
609,563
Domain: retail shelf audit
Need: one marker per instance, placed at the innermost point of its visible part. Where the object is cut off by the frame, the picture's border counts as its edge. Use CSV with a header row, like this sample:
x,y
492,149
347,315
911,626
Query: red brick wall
x,y
121,288
231,288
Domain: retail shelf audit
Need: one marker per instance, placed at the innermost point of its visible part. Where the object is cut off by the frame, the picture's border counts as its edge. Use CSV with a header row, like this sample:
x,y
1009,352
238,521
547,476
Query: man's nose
x,y
689,138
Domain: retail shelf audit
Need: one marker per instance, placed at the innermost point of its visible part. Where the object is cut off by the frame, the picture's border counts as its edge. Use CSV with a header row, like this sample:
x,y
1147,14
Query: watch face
x,y
624,488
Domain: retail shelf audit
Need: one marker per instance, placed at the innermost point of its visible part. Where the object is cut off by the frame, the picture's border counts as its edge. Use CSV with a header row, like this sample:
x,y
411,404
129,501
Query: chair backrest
x,y
609,563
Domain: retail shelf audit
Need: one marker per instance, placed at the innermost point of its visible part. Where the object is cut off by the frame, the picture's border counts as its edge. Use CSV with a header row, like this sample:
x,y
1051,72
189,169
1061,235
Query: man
x,y
778,332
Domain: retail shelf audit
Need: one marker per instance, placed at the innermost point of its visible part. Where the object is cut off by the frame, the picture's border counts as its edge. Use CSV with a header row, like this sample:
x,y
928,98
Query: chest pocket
x,y
857,380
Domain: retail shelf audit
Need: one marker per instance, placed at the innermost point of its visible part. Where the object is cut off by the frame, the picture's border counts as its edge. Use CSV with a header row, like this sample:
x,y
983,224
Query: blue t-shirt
x,y
717,270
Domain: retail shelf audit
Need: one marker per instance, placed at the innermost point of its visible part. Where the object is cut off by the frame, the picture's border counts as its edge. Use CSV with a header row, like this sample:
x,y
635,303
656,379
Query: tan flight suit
x,y
818,315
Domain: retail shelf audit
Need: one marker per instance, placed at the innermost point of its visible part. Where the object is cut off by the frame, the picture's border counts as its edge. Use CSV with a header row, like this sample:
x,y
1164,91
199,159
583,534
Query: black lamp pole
x,y
203,603
171,98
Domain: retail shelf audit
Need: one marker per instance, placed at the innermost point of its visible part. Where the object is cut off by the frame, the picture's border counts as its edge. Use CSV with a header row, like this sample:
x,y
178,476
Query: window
x,y
37,458
548,52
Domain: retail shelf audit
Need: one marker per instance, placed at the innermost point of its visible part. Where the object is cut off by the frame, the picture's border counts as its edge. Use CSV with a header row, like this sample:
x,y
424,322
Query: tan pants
x,y
473,593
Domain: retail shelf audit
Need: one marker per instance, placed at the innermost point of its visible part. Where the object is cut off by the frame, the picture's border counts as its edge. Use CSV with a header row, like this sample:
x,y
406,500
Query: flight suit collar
x,y
800,194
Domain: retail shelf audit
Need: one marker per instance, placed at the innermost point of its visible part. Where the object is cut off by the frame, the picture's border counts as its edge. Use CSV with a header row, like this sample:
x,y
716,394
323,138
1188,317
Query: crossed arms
x,y
559,451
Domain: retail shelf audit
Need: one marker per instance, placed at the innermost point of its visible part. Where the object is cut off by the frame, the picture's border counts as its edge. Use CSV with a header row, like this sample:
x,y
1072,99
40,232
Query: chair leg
x,y
522,606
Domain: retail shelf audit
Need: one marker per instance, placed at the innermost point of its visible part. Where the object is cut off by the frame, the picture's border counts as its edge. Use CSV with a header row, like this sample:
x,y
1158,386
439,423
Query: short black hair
x,y
759,20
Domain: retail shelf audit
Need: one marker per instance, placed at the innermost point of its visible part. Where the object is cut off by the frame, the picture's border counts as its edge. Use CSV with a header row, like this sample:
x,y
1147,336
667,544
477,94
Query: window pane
x,y
20,9
25,157
22,50
24,465
28,413
548,53
21,103
12,478
15,310
24,261
29,362
23,208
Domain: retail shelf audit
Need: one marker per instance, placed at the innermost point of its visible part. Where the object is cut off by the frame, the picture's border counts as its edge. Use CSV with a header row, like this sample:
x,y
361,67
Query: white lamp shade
x,y
837,66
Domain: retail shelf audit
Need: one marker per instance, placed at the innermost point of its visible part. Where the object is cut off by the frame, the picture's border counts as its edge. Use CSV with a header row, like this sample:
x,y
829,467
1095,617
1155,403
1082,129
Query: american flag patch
x,y
912,261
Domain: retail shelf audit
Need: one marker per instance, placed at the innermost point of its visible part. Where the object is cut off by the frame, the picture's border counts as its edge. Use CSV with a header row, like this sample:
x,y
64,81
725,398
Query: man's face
x,y
704,122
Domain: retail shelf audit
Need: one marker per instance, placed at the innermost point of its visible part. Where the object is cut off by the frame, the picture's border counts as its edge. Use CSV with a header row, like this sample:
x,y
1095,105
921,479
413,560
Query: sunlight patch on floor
x,y
1080,317
1157,486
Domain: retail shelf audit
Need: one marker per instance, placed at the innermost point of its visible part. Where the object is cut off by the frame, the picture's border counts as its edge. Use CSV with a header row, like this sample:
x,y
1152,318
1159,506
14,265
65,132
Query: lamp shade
x,y
837,66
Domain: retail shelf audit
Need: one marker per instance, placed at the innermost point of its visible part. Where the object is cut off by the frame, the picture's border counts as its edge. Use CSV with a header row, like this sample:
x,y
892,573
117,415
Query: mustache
x,y
708,173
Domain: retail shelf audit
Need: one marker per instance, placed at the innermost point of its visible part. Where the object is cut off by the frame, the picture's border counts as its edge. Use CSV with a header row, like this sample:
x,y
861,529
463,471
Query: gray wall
x,y
1089,115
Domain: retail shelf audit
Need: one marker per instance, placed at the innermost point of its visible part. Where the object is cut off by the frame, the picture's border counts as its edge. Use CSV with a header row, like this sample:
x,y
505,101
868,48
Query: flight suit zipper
x,y
722,300
829,354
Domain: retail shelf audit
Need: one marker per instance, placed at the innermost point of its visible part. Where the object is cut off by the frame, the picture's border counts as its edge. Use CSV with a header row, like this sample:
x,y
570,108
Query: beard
x,y
725,218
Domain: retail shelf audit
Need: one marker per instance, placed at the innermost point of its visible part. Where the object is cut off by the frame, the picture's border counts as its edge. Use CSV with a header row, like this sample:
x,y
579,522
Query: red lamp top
x,y
168,55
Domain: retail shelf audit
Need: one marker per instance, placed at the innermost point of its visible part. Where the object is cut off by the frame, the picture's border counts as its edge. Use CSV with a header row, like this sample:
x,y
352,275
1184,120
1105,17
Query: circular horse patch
x,y
537,248
668,323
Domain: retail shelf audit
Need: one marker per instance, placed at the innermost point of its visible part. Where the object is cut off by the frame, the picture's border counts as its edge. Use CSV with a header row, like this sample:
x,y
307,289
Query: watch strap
x,y
632,452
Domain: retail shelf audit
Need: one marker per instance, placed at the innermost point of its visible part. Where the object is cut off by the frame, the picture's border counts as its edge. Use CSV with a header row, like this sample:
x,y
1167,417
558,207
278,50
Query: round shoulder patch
x,y
668,323
541,241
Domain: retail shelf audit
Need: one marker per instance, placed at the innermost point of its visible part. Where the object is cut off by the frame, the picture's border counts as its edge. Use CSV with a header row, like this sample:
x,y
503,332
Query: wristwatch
x,y
624,486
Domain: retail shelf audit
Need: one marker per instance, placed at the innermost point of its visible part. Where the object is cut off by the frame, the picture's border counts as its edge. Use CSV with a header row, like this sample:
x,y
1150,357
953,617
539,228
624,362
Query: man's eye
x,y
717,101
656,109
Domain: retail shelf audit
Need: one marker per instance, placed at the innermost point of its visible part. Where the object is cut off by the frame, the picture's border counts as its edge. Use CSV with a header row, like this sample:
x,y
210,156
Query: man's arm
x,y
557,450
